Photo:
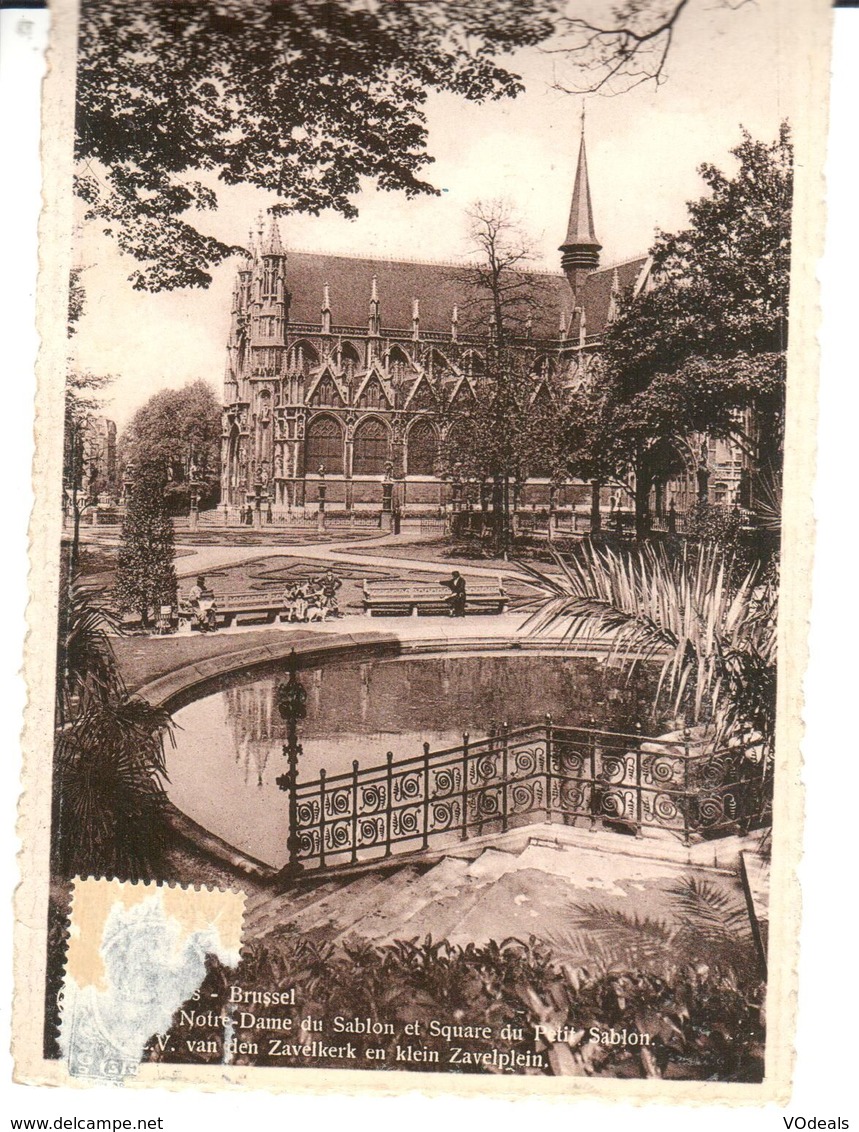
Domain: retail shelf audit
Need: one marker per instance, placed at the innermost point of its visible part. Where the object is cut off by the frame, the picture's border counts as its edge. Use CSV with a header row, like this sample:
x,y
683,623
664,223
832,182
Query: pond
x,y
229,744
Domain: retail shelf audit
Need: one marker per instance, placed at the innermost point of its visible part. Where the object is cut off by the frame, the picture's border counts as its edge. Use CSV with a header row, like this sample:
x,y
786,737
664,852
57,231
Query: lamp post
x,y
193,492
321,488
258,486
292,704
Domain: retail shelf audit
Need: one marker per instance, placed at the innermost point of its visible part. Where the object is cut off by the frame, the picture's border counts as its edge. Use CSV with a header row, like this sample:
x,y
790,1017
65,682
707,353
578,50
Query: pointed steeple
x,y
273,245
375,322
614,298
326,309
581,248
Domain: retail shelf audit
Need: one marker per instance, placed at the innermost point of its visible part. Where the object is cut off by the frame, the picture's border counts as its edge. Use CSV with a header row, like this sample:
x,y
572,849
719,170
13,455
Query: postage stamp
x,y
421,546
136,953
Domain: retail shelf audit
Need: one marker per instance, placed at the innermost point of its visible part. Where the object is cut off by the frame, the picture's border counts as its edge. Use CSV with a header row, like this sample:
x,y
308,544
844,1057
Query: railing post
x,y
464,834
389,811
593,755
322,818
686,798
354,811
426,794
289,783
549,757
504,767
638,806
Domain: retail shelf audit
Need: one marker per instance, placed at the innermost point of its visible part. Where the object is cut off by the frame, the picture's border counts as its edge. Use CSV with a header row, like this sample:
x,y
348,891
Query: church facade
x,y
337,365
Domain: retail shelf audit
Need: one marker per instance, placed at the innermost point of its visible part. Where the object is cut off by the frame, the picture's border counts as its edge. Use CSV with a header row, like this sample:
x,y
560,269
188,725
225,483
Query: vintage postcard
x,y
421,547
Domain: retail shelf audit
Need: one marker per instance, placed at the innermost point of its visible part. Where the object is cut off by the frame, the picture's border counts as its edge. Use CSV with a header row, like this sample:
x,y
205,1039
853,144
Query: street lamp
x,y
291,699
388,487
321,487
194,486
258,486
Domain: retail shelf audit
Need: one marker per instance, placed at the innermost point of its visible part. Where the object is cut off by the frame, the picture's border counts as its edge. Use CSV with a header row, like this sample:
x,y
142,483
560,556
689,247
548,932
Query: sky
x,y
643,151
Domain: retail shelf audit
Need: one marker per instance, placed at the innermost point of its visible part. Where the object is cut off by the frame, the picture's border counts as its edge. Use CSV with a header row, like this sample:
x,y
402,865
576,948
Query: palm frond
x,y
714,634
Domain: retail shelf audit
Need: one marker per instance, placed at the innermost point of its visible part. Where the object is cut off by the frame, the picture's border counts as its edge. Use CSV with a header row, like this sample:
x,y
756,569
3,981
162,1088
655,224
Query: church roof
x,y
598,289
438,286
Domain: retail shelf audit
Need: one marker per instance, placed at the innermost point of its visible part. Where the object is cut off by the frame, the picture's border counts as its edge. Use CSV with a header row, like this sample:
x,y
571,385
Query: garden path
x,y
201,559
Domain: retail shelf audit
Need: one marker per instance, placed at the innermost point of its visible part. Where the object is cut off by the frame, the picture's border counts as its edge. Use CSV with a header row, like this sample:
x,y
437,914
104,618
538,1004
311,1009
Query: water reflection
x,y
228,753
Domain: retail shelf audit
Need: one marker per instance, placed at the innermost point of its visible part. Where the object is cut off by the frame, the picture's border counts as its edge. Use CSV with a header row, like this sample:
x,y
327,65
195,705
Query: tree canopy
x,y
172,430
145,573
707,342
301,98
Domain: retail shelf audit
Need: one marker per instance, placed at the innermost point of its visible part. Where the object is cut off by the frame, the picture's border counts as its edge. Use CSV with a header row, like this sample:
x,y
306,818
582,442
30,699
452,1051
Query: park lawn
x,y
275,572
466,554
269,536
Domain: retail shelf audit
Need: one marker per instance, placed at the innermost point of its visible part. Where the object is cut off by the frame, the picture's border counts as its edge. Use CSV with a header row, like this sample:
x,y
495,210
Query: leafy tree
x,y
83,478
303,99
145,574
175,428
506,430
704,350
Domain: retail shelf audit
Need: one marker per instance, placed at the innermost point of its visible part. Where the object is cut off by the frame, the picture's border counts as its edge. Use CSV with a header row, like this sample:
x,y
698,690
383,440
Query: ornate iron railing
x,y
569,775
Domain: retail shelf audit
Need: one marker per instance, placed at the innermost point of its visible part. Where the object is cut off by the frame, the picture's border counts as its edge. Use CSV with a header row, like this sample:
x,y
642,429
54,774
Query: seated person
x,y
456,601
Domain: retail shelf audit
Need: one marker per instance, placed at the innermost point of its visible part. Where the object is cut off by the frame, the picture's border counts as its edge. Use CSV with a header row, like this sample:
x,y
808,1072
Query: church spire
x,y
581,248
273,245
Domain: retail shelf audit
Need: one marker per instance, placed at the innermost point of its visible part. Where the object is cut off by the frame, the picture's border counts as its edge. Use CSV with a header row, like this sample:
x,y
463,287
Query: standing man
x,y
330,585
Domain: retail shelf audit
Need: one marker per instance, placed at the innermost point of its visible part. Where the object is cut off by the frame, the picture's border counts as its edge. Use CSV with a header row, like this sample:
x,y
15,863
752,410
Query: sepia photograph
x,y
364,317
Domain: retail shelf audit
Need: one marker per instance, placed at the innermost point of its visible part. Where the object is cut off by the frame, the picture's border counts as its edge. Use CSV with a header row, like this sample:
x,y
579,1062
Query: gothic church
x,y
336,364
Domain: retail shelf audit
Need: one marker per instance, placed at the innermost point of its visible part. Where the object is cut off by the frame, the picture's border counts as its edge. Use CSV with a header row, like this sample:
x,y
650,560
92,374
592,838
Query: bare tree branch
x,y
501,290
615,57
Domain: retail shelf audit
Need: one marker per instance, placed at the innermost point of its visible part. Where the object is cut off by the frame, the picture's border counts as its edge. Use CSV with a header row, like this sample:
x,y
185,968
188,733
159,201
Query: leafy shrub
x,y
704,1019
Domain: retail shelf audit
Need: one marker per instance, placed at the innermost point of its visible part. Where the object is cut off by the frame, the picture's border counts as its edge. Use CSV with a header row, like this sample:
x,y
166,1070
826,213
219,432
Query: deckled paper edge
x,y
811,22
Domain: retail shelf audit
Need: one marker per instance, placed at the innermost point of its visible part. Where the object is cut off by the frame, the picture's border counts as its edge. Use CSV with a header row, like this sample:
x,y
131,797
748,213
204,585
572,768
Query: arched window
x,y
264,406
398,363
543,366
324,445
370,451
473,363
460,442
302,358
350,360
437,363
422,449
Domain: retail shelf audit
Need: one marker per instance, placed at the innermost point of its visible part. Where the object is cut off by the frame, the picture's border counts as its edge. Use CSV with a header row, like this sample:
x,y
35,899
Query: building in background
x,y
336,365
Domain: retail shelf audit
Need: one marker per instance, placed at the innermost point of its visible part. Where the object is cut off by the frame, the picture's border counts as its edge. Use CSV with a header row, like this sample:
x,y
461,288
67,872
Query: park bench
x,y
230,607
403,598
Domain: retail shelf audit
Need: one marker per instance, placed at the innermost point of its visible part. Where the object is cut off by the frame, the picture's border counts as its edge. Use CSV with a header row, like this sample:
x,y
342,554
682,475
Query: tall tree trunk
x,y
498,513
642,503
74,553
596,514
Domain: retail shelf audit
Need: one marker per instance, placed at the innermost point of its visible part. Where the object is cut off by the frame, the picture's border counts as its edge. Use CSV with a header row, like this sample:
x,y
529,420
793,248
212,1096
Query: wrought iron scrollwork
x,y
553,773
